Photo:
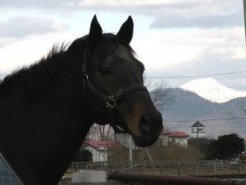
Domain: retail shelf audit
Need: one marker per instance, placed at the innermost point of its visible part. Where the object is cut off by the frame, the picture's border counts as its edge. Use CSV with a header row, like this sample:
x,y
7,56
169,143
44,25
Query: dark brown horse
x,y
47,109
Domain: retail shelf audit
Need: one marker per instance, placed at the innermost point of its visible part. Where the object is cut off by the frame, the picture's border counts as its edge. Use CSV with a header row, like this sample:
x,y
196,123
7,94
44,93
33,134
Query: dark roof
x,y
197,124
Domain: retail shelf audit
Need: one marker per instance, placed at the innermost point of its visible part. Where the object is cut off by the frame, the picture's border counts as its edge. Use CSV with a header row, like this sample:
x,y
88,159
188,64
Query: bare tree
x,y
105,132
100,132
160,93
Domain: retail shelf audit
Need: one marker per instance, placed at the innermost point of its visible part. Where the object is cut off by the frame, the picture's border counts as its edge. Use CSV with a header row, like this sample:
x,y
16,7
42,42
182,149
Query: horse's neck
x,y
39,139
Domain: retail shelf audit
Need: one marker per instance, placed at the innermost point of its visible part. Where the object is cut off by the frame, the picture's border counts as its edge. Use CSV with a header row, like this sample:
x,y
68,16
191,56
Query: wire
x,y
201,75
205,120
208,126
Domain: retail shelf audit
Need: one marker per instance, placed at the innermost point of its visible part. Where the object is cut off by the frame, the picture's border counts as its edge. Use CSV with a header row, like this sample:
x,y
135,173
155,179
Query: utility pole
x,y
130,152
244,10
197,132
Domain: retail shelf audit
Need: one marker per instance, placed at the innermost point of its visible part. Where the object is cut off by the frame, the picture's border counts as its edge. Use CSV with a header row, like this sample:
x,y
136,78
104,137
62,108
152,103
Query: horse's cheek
x,y
133,119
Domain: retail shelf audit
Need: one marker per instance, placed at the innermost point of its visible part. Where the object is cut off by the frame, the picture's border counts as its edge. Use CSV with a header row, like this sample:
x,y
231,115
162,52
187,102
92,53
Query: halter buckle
x,y
111,102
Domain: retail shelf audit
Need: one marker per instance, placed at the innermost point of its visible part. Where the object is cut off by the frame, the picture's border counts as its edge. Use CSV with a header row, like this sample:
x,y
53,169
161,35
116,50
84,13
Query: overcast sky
x,y
173,38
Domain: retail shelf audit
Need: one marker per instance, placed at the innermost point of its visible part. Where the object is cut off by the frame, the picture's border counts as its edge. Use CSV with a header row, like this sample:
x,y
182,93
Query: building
x,y
178,137
174,137
99,149
198,130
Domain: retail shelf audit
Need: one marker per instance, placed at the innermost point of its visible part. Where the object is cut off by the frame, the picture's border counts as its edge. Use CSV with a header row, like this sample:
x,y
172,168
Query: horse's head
x,y
114,85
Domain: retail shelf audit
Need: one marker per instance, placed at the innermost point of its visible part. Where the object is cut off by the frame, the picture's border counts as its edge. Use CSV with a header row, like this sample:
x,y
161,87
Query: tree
x,y
160,93
100,132
226,147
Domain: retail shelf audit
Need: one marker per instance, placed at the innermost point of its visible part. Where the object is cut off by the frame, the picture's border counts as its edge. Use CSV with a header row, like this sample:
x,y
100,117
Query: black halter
x,y
111,101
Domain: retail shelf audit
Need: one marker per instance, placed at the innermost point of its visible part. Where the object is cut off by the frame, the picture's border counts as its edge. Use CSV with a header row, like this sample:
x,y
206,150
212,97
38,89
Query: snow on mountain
x,y
212,90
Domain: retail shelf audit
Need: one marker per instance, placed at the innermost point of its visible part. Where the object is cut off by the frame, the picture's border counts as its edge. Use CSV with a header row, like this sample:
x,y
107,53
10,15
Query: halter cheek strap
x,y
112,100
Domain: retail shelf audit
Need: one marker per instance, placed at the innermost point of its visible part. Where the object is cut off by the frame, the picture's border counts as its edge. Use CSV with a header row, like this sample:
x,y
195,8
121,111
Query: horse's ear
x,y
126,30
95,33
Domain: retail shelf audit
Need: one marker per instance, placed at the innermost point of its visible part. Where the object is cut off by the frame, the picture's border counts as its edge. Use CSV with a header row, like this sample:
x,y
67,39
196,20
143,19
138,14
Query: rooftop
x,y
197,124
178,134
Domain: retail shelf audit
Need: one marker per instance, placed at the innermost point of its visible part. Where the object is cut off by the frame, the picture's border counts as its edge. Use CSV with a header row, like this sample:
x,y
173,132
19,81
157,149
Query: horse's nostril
x,y
145,119
144,128
145,124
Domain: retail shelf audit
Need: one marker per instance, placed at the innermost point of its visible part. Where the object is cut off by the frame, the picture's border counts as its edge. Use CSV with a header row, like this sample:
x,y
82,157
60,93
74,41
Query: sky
x,y
177,40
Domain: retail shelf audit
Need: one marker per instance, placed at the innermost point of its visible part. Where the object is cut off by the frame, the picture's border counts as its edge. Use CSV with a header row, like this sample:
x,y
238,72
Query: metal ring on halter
x,y
85,76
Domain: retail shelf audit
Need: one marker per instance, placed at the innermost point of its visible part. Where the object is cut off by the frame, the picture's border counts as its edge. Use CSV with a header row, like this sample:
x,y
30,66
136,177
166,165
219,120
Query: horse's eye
x,y
104,69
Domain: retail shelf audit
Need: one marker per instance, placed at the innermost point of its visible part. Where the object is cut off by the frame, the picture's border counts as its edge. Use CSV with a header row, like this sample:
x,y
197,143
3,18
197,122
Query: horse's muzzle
x,y
150,127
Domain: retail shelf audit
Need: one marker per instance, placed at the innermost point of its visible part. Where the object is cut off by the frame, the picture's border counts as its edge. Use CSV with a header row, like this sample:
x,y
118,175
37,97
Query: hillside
x,y
219,118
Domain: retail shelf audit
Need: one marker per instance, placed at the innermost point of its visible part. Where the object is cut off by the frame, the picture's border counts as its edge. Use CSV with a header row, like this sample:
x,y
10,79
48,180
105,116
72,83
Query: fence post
x,y
239,165
144,165
178,168
215,167
196,167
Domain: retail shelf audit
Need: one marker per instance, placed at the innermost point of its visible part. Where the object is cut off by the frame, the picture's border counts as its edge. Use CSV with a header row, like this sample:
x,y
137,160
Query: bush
x,y
225,147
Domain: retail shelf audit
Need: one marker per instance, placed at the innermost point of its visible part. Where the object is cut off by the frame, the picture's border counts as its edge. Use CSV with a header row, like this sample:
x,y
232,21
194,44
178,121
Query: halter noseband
x,y
111,101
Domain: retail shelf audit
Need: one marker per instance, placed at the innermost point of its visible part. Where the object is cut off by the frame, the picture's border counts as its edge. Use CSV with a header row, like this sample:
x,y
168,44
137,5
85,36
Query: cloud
x,y
23,26
6,41
27,50
209,65
196,52
177,13
162,49
45,4
204,14
232,19
166,14
218,67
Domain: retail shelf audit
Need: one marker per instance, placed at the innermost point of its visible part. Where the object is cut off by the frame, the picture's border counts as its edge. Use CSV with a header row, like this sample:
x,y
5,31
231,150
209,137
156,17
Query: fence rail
x,y
146,178
179,168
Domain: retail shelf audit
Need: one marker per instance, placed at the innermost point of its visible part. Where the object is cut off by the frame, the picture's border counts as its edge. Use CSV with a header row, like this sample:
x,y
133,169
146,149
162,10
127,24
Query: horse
x,y
47,108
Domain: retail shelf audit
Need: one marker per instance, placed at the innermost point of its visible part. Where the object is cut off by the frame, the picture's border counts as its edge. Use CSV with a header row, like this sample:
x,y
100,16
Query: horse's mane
x,y
45,71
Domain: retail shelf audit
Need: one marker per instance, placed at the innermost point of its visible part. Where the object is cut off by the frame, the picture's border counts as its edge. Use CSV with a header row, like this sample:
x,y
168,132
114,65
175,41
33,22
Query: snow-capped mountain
x,y
212,90
185,108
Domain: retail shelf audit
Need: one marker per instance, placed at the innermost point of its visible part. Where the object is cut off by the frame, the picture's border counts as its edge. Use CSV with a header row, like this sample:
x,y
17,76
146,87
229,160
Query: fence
x,y
146,179
179,168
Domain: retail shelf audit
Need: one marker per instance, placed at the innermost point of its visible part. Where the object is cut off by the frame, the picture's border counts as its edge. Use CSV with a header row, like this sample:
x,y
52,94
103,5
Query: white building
x,y
99,149
198,130
178,137
174,137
